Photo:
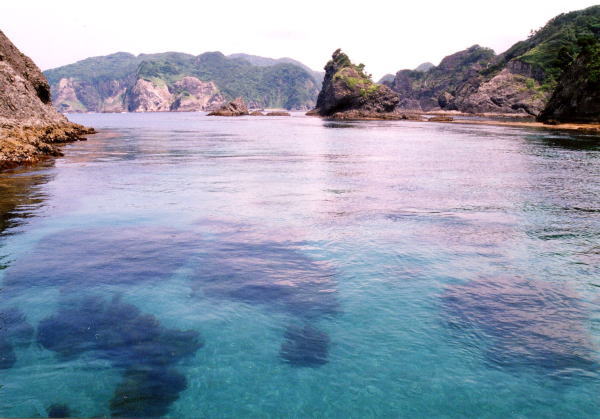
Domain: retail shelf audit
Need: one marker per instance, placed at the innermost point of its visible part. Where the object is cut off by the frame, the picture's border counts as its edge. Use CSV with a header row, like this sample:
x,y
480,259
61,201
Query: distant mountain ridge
x,y
173,81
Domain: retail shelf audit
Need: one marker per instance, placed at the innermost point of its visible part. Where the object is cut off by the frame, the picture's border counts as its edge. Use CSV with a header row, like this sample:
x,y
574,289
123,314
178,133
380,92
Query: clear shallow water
x,y
184,266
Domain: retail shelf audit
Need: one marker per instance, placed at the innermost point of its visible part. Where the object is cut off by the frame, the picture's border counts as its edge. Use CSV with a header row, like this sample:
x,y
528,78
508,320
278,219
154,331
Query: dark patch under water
x,y
130,340
270,274
276,276
102,256
59,411
531,324
305,346
15,331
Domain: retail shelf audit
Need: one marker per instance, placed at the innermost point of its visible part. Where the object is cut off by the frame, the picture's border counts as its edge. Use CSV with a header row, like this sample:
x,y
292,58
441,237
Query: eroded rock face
x,y
236,107
147,96
577,97
193,94
346,88
29,125
504,93
25,93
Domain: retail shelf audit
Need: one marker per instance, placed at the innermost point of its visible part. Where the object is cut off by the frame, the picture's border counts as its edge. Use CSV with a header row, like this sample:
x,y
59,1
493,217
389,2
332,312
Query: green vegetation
x,y
554,47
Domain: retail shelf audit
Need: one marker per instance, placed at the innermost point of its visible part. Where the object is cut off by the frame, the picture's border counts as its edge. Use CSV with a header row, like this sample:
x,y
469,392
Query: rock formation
x,y
348,93
577,97
520,80
29,125
236,107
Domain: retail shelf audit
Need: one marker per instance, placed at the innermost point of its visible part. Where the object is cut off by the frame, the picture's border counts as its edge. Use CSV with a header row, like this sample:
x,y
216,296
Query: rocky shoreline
x,y
30,128
23,144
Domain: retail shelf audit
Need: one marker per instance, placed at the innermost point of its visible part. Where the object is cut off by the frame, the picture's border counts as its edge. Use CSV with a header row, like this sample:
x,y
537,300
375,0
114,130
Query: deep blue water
x,y
184,266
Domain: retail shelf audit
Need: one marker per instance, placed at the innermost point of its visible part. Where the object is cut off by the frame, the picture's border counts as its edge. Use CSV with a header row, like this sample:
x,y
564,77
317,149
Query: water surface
x,y
184,266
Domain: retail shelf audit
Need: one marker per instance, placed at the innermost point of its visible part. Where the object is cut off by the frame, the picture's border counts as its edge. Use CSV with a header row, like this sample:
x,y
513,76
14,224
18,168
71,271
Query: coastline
x,y
23,145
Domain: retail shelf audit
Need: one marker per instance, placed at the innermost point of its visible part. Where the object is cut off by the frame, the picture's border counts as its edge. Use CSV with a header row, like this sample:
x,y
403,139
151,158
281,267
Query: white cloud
x,y
385,35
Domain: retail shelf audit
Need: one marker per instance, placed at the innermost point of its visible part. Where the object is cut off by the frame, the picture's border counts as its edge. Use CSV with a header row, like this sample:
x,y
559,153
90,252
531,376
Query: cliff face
x,y
577,97
180,82
29,125
24,93
348,92
521,80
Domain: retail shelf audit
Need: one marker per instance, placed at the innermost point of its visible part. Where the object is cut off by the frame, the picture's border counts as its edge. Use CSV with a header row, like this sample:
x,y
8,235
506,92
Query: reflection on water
x,y
21,195
183,266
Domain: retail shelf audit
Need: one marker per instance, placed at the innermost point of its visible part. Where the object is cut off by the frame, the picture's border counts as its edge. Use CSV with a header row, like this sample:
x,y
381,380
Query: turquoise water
x,y
184,266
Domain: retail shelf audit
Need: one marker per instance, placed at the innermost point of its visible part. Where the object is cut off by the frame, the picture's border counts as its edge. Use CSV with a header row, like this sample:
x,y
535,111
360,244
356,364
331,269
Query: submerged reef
x,y
14,331
305,346
528,323
103,256
277,277
130,340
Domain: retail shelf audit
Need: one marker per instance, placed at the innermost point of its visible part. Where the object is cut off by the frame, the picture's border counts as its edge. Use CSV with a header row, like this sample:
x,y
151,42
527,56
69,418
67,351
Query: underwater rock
x,y
97,257
14,331
270,274
117,331
305,347
129,339
7,355
59,411
147,393
529,323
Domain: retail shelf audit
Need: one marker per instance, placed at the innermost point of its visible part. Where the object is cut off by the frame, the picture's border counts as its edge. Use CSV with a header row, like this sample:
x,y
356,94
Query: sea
x,y
184,266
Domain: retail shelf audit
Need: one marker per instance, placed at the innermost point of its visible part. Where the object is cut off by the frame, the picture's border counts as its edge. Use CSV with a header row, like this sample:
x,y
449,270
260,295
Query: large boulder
x,y
347,89
236,107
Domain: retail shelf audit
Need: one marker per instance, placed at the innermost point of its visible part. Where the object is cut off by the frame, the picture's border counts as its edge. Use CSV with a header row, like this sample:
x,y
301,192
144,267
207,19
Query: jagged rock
x,y
193,94
278,113
147,96
577,97
347,89
236,107
29,125
256,113
504,93
440,87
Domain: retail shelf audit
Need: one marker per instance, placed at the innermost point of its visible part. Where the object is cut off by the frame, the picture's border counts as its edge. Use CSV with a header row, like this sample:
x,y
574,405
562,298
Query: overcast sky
x,y
386,35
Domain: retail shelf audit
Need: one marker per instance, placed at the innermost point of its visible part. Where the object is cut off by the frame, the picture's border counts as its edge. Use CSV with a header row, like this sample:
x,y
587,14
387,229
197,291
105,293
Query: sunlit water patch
x,y
177,265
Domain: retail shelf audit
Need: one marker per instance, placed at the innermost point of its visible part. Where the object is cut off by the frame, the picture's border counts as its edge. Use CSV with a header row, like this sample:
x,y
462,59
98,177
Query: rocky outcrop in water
x,y
30,127
348,92
577,98
236,107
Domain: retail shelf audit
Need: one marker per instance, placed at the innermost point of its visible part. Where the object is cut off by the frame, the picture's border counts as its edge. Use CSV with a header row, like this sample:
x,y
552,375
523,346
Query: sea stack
x,y
349,93
30,128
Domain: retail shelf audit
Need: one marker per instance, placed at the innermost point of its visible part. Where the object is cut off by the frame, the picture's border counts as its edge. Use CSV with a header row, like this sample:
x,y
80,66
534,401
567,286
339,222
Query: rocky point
x,y
30,128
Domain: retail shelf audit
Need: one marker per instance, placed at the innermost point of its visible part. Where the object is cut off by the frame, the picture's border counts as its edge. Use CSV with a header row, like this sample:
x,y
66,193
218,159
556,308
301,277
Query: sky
x,y
385,35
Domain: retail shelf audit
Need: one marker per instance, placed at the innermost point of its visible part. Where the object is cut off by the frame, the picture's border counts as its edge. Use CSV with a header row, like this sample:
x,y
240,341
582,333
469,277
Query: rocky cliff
x,y
348,92
577,97
29,126
174,81
520,80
